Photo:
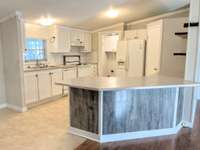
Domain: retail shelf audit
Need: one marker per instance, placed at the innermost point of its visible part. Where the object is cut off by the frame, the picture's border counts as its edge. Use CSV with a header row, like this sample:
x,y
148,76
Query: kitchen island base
x,y
115,115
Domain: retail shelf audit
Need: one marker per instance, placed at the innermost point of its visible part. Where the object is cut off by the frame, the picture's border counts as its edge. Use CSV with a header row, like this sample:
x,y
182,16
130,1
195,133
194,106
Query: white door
x,y
154,46
44,84
56,76
135,56
31,87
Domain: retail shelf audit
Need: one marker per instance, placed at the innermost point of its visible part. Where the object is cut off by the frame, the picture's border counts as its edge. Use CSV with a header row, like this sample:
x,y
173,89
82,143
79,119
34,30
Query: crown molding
x,y
108,27
12,15
158,17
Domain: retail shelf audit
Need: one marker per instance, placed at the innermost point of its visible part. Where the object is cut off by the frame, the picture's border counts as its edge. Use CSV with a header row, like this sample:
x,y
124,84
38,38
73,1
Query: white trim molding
x,y
12,15
158,17
16,108
85,134
129,135
108,27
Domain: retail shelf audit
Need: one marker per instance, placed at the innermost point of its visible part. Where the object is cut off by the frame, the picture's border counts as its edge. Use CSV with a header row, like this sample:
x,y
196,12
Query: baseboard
x,y
139,135
44,101
187,124
126,136
3,106
85,134
16,108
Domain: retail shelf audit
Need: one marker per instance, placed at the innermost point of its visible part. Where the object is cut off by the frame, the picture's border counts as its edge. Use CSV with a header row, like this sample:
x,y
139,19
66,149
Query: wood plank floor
x,y
187,139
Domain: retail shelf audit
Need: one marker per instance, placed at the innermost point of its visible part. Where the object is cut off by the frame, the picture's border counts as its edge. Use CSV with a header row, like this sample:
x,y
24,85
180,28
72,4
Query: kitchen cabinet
x,y
87,42
31,87
56,75
69,73
77,38
40,85
110,43
87,71
59,40
44,85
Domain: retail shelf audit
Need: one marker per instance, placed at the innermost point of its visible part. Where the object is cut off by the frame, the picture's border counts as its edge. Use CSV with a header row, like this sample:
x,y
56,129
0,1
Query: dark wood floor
x,y
187,139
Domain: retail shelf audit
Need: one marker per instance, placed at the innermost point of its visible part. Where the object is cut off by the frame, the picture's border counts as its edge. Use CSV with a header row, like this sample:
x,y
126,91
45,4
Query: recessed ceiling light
x,y
46,21
111,13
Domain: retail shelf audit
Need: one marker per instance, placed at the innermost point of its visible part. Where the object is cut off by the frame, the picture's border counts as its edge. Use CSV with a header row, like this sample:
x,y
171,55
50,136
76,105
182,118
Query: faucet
x,y
37,63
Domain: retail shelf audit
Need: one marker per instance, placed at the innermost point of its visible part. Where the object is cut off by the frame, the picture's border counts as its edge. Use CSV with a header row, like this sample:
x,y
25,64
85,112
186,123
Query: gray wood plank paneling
x,y
138,110
180,106
84,109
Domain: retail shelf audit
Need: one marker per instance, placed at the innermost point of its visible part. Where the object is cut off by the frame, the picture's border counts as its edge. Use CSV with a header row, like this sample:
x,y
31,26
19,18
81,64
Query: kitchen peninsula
x,y
108,109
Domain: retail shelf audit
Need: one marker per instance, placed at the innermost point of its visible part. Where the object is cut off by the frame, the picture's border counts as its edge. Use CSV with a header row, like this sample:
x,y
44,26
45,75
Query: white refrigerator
x,y
131,58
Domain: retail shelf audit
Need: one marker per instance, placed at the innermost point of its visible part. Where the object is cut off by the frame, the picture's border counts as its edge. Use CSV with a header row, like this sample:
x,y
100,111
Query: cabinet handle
x,y
36,75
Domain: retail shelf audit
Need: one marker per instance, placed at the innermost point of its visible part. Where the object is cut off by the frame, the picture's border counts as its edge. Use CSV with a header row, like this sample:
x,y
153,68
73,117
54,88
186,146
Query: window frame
x,y
45,49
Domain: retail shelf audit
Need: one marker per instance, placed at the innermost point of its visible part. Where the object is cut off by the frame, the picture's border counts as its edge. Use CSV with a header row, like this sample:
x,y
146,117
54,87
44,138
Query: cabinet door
x,y
56,76
31,88
87,42
70,73
44,84
63,39
154,46
110,43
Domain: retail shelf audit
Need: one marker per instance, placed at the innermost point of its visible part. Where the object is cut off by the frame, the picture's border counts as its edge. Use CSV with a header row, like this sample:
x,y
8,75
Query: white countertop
x,y
56,67
116,83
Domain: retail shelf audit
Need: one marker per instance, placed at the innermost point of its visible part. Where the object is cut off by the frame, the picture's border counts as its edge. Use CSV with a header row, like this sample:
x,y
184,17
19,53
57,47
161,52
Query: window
x,y
35,49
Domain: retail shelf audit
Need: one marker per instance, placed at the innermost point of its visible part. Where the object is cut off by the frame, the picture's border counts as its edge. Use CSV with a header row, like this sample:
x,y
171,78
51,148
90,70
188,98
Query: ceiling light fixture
x,y
46,21
111,13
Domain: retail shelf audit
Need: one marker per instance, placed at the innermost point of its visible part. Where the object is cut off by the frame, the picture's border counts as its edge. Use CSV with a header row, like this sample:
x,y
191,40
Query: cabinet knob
x,y
155,69
36,75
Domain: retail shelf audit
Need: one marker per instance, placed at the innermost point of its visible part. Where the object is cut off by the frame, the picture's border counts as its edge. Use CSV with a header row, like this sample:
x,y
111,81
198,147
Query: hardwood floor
x,y
187,139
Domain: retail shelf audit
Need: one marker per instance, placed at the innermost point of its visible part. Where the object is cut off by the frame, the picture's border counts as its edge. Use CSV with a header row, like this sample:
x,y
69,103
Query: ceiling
x,y
89,14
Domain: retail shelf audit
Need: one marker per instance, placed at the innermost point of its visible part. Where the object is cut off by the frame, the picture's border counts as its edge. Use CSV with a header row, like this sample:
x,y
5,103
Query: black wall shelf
x,y
181,34
179,54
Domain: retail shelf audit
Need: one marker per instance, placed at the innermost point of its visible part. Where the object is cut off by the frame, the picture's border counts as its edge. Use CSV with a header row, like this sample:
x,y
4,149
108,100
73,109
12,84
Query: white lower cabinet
x,y
41,85
31,87
44,85
70,73
56,75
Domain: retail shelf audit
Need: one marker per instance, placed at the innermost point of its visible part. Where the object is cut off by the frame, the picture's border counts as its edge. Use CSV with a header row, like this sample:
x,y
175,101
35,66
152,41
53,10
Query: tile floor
x,y
41,128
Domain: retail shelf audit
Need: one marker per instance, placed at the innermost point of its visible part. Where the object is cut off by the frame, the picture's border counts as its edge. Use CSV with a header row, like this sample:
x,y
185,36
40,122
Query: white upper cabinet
x,y
59,39
109,43
87,42
77,38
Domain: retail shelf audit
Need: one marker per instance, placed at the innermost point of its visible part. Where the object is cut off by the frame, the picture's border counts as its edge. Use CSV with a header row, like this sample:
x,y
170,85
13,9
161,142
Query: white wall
x,y
173,65
12,46
2,81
